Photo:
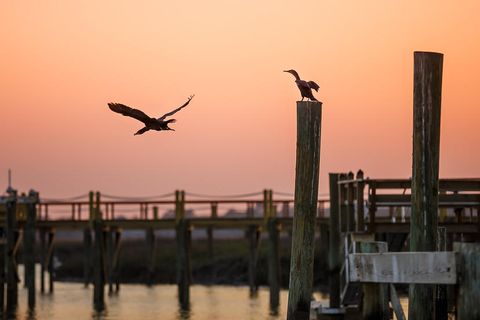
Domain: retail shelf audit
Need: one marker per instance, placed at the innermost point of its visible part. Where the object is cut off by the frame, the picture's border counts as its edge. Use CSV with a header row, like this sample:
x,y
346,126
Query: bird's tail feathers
x,y
171,121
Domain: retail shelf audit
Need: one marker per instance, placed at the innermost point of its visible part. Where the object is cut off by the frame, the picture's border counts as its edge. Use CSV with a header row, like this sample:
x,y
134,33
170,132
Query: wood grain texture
x,y
403,267
309,115
468,298
427,93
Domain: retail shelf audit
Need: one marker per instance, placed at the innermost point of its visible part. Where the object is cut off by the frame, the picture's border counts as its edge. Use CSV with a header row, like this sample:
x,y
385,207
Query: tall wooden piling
x,y
116,259
29,247
441,300
151,250
253,234
109,246
98,258
214,214
43,259
309,115
427,93
183,251
342,204
87,257
375,303
49,259
335,242
273,256
11,232
87,243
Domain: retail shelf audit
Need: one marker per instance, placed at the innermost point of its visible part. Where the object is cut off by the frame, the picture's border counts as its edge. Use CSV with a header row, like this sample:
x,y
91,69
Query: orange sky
x,y
62,61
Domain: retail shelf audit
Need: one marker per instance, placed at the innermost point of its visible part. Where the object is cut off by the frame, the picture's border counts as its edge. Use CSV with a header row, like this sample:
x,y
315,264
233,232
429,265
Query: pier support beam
x,y
49,259
98,258
12,237
469,285
335,243
183,235
273,263
87,256
427,93
253,235
29,247
309,115
375,300
151,249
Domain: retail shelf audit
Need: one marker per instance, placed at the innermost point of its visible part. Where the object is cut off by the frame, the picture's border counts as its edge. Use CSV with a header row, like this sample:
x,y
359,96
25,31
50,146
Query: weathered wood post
x,y
87,243
253,241
151,250
214,214
11,232
98,258
350,196
360,221
109,233
183,251
116,259
43,257
29,247
335,242
427,93
375,303
441,301
342,197
309,115
469,281
273,254
49,261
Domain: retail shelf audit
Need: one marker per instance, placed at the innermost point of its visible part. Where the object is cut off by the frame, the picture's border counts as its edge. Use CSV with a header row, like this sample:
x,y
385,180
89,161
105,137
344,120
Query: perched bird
x,y
150,123
305,87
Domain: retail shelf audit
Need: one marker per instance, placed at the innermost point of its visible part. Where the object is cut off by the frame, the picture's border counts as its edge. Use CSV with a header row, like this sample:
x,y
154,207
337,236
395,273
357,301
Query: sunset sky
x,y
63,61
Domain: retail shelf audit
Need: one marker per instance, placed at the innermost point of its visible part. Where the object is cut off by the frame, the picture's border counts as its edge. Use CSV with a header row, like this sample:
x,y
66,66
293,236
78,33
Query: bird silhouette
x,y
150,123
305,87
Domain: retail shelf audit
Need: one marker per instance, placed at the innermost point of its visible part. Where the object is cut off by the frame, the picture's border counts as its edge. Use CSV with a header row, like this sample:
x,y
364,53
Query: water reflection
x,y
72,300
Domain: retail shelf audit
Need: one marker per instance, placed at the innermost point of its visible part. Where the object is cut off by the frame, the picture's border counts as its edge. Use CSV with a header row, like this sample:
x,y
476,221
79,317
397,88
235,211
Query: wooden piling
x,y
342,197
309,115
335,242
360,210
427,94
116,260
98,258
273,262
253,235
183,251
350,196
49,259
151,250
43,255
469,282
109,246
441,301
214,214
11,232
375,302
29,247
87,257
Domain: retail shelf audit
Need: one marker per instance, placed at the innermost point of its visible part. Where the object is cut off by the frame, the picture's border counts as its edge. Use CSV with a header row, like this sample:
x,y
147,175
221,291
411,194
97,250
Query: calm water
x,y
158,302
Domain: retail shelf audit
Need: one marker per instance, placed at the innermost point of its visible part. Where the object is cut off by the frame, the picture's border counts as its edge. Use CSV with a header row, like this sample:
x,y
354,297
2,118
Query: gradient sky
x,y
62,61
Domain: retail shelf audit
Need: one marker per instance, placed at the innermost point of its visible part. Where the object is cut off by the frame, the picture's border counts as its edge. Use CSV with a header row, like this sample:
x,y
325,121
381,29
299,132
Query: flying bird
x,y
305,87
150,123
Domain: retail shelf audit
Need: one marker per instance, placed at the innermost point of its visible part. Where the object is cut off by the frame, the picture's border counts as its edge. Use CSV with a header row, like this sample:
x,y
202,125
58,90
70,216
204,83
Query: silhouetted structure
x,y
150,123
305,87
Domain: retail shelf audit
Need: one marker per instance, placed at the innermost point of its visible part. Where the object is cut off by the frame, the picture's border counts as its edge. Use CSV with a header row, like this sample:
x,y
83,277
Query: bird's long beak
x,y
285,70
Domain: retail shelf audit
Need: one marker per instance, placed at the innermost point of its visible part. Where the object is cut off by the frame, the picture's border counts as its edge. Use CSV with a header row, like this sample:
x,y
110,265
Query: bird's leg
x,y
302,98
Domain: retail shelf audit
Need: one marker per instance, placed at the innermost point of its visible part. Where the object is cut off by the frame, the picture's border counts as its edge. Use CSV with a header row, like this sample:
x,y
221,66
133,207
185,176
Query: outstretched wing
x,y
176,110
313,85
129,112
